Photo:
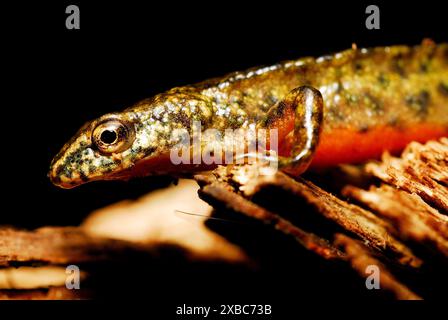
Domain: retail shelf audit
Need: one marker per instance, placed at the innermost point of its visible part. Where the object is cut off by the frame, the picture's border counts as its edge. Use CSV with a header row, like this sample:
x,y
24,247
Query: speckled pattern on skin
x,y
361,88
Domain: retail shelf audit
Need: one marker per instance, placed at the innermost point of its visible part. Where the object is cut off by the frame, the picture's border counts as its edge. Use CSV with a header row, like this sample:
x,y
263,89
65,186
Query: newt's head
x,y
135,142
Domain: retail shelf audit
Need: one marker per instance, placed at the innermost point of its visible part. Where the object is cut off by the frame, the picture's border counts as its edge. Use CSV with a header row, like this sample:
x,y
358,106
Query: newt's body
x,y
370,100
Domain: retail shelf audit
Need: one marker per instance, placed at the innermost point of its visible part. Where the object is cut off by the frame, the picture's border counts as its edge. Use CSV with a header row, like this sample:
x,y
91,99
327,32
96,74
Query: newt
x,y
342,108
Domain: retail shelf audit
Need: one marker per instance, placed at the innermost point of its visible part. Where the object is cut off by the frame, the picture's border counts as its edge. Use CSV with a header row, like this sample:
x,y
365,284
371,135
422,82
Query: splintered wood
x,y
400,224
114,242
389,216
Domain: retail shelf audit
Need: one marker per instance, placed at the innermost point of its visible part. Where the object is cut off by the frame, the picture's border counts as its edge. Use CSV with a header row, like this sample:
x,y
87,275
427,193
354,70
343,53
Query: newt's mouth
x,y
156,166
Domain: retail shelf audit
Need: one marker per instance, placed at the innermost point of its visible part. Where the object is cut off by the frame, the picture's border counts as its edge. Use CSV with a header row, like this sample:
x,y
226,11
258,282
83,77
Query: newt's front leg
x,y
301,111
299,114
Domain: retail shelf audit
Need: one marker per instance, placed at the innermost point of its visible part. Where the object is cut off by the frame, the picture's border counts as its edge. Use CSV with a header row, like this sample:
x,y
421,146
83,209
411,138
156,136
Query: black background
x,y
56,79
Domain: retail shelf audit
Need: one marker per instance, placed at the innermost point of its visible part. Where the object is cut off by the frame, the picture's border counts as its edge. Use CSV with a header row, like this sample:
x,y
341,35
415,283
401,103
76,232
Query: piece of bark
x,y
121,237
361,258
57,245
352,218
141,226
36,277
219,192
430,159
406,213
422,169
413,218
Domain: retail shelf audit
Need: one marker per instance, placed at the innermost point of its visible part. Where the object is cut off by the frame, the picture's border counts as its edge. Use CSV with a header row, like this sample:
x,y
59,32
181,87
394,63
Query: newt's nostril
x,y
54,175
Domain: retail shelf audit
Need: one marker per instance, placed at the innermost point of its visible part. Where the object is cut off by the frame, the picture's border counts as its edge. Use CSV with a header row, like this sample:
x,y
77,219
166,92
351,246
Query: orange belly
x,y
353,146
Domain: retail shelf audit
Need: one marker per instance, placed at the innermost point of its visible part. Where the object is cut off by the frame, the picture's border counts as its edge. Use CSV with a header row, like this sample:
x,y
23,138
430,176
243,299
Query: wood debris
x,y
56,245
422,170
400,223
219,192
120,242
360,259
391,214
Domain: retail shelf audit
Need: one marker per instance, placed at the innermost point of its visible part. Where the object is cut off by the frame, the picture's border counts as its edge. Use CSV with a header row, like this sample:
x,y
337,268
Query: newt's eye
x,y
112,136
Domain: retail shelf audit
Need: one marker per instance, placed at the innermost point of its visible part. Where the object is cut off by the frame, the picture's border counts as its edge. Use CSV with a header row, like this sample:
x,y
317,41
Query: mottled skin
x,y
373,100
